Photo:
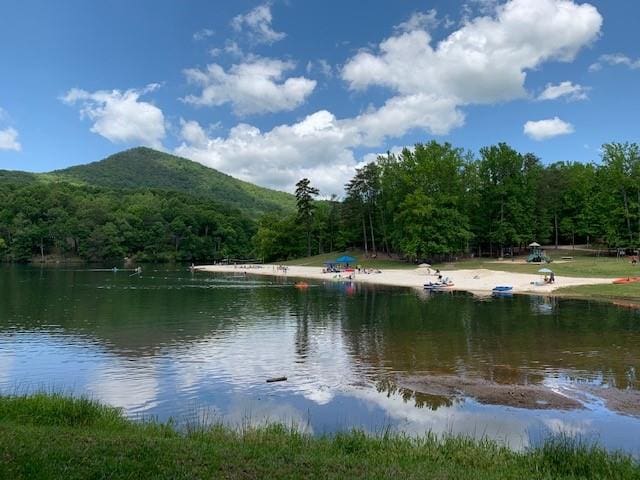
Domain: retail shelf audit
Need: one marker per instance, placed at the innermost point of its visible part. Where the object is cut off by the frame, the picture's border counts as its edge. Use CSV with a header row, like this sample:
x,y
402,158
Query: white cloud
x,y
548,128
486,60
256,86
419,21
321,66
120,116
318,147
401,114
615,59
257,25
564,89
203,34
9,139
230,47
8,134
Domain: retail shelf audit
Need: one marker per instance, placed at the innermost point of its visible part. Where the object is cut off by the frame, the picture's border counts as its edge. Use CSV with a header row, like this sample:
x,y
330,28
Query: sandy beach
x,y
477,281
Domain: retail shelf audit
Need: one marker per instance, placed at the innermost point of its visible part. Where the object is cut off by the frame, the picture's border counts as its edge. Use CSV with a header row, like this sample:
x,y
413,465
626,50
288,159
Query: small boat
x,y
622,281
301,285
502,289
438,286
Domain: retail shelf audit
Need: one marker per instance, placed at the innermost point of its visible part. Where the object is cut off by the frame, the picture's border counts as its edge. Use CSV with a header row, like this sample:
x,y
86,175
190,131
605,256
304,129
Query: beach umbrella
x,y
345,259
534,244
424,265
544,270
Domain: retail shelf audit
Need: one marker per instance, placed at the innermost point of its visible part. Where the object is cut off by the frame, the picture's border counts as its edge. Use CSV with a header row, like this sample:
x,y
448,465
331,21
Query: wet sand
x,y
491,393
539,397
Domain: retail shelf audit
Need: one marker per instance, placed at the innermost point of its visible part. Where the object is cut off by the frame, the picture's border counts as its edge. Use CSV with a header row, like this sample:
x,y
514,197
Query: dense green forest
x,y
428,202
436,201
141,203
100,224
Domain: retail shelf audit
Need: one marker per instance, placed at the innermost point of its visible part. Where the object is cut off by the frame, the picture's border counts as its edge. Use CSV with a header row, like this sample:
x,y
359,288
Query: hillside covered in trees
x,y
147,168
140,203
429,202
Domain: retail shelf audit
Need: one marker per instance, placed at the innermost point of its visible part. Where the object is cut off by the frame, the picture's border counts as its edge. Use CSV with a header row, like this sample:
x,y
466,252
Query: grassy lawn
x,y
582,265
605,292
52,437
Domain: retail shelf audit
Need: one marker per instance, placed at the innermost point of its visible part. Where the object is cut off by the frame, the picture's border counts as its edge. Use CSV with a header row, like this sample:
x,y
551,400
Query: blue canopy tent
x,y
346,259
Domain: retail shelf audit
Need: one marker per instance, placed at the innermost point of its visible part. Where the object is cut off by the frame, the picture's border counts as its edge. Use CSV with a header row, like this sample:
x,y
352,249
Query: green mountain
x,y
147,168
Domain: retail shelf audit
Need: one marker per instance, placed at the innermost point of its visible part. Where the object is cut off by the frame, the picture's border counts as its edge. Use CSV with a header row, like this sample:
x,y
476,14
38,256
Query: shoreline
x,y
480,281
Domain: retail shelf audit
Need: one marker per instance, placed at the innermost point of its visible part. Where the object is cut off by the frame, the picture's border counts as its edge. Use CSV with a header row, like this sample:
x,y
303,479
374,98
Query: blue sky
x,y
271,92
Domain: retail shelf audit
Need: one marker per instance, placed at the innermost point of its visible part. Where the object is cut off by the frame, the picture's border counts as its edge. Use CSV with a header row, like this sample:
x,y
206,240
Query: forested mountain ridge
x,y
144,167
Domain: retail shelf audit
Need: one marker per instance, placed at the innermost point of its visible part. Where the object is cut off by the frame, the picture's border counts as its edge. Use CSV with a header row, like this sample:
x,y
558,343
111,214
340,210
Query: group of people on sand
x,y
550,278
244,267
360,269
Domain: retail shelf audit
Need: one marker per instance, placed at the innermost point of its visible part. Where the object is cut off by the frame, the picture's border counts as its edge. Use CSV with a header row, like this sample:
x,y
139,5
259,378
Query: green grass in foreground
x,y
52,437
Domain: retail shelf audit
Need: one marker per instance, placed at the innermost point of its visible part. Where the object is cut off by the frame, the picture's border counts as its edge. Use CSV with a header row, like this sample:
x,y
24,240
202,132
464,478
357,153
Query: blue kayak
x,y
502,288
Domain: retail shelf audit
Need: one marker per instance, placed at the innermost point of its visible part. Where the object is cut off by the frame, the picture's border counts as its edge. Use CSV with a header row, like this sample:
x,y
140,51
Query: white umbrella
x,y
545,270
424,265
534,244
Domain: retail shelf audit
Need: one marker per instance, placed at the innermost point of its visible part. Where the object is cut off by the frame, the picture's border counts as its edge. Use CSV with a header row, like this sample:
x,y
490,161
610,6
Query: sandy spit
x,y
479,280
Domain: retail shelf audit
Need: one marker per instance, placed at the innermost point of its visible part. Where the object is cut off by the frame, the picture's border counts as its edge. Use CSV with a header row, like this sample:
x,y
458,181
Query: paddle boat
x,y
439,286
502,289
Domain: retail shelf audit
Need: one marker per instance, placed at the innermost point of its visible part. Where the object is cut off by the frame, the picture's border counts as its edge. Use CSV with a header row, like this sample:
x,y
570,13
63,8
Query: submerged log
x,y
276,379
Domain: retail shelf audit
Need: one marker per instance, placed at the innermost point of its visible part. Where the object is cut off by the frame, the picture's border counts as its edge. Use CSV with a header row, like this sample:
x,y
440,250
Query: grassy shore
x,y
53,437
583,264
629,292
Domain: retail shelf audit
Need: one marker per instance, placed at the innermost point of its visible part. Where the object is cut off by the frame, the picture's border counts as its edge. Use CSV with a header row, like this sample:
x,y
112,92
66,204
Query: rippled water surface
x,y
173,344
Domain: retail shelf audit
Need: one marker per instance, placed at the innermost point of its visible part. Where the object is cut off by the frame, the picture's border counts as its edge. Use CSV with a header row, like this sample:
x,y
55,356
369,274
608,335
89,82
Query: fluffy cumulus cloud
x,y
548,128
567,90
120,116
256,86
319,146
9,139
257,25
615,59
485,61
316,147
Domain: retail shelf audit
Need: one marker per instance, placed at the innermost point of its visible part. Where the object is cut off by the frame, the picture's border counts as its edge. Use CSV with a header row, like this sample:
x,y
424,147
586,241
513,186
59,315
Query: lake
x,y
200,347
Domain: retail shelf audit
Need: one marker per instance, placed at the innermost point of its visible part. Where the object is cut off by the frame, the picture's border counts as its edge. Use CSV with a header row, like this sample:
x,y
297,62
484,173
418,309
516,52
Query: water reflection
x,y
174,344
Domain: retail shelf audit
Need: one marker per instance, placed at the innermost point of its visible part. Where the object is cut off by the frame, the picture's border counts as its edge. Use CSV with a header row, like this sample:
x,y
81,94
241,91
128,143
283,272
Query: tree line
x,y
436,200
428,202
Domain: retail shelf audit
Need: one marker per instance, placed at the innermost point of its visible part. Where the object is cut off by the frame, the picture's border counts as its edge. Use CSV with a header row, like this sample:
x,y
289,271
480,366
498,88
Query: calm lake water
x,y
173,344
